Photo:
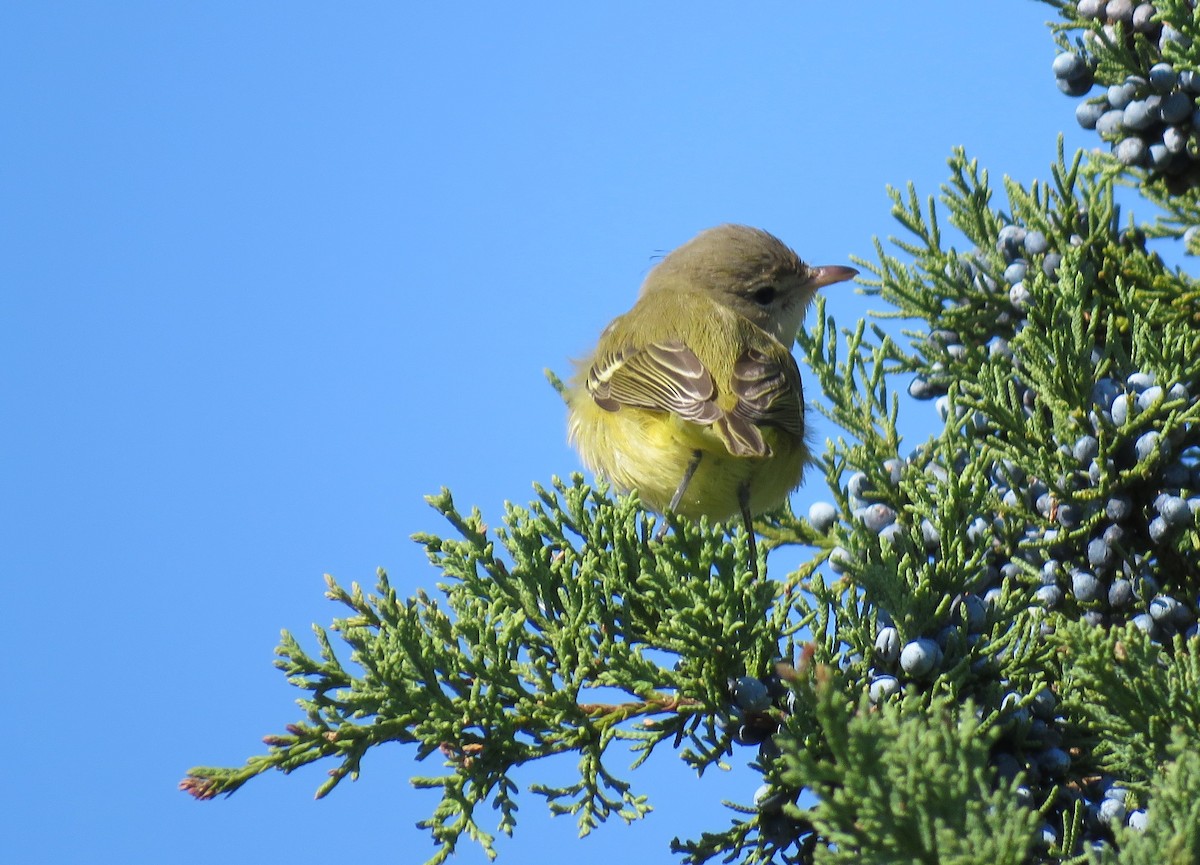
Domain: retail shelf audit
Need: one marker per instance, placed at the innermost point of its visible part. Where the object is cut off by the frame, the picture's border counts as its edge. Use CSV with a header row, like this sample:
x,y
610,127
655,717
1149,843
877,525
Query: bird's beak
x,y
828,274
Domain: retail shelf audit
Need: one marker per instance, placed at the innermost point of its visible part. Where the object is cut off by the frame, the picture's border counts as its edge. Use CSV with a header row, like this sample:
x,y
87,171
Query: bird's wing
x,y
769,393
769,390
665,376
668,376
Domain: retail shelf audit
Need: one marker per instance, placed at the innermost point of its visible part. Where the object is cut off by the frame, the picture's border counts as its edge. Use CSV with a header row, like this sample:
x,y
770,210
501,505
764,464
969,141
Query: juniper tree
x,y
989,652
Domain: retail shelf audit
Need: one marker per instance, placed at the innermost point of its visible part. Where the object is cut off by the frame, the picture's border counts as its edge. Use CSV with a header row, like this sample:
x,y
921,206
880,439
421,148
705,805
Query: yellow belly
x,y
650,451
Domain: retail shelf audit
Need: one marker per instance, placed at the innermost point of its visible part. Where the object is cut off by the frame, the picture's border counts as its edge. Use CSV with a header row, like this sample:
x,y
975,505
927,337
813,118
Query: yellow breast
x,y
650,451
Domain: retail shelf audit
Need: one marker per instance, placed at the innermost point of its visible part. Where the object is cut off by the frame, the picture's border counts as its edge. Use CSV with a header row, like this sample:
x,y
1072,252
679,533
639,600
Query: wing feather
x,y
668,376
664,376
769,390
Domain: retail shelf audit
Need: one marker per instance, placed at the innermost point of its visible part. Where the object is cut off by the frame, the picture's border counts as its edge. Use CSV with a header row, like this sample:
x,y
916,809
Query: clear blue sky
x,y
271,272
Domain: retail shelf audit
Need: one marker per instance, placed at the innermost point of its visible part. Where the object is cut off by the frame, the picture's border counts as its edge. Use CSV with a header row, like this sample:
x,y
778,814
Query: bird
x,y
692,397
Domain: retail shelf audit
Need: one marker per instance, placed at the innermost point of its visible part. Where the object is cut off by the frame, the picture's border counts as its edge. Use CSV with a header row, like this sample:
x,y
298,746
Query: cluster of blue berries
x,y
1106,538
755,707
1120,514
1106,806
1132,532
1004,299
751,721
1031,745
1033,740
1099,531
1148,117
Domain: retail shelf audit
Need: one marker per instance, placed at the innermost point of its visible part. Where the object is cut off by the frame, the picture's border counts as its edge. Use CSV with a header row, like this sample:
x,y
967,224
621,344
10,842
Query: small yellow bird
x,y
693,397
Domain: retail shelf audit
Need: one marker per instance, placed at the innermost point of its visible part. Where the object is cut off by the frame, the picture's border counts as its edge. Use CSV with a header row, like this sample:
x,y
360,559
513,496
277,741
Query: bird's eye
x,y
763,296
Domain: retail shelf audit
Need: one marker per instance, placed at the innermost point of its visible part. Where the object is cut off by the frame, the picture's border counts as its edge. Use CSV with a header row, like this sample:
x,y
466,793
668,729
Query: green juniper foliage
x,y
989,651
581,601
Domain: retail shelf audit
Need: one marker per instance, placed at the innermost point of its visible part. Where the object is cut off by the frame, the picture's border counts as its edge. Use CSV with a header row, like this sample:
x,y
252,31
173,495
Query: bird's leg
x,y
748,520
680,490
